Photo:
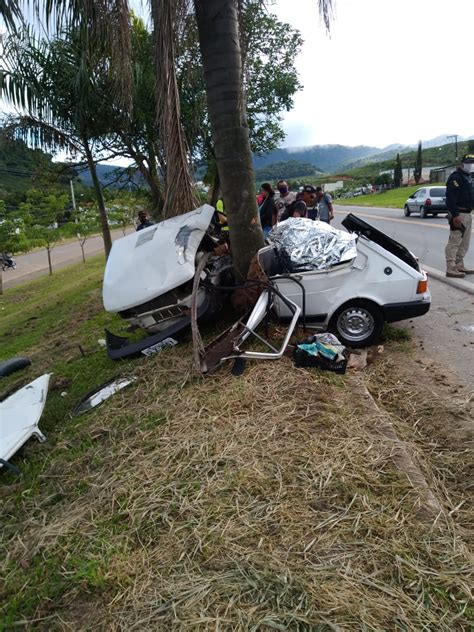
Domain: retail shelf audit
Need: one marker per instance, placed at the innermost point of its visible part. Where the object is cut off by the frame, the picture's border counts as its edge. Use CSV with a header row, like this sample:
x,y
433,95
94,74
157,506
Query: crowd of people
x,y
276,206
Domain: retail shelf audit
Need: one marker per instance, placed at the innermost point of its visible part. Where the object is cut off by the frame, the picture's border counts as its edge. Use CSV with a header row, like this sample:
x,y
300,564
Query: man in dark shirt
x,y
304,206
143,220
459,202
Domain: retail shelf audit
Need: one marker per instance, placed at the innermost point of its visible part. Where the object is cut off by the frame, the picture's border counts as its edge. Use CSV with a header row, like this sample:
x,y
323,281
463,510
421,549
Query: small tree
x,y
398,173
41,213
85,224
418,166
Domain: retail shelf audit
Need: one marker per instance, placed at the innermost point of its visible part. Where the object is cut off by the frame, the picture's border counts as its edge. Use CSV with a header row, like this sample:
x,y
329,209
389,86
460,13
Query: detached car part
x,y
14,364
19,417
101,393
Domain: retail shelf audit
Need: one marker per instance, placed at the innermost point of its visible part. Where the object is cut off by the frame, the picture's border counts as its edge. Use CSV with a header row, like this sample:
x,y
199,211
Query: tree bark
x,y
100,199
220,49
180,195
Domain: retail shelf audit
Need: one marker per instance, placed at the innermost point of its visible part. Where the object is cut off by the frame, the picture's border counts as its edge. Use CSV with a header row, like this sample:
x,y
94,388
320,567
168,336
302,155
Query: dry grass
x,y
271,501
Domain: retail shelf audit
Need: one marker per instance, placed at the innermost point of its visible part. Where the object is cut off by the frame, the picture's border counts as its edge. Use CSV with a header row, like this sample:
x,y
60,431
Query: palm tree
x,y
64,81
218,27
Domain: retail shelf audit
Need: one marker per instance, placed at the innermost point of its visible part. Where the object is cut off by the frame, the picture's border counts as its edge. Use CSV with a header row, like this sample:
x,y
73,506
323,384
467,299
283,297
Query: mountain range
x,y
333,158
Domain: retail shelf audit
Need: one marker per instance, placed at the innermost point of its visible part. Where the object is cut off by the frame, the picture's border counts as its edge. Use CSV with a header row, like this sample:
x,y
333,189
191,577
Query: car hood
x,y
155,260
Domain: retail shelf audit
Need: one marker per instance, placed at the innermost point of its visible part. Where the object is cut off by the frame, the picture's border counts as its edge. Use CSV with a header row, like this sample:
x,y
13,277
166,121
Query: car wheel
x,y
423,213
358,323
406,211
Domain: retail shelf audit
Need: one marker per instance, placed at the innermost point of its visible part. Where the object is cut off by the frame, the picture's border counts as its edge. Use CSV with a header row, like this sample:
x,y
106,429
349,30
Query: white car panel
x,y
155,260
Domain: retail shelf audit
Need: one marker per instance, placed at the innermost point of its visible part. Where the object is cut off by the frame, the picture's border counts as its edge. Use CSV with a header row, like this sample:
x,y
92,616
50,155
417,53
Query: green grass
x,y
48,320
394,198
264,501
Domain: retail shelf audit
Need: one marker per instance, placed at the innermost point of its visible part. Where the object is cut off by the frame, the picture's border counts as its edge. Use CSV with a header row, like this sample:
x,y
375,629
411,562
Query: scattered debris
x,y
357,359
469,328
101,393
19,417
167,343
14,364
322,351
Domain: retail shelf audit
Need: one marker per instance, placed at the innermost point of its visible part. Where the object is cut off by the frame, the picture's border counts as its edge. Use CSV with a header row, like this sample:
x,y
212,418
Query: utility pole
x,y
455,138
73,197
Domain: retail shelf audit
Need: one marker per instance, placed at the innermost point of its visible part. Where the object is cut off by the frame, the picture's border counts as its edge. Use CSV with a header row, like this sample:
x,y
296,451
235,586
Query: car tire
x,y
406,211
423,213
358,323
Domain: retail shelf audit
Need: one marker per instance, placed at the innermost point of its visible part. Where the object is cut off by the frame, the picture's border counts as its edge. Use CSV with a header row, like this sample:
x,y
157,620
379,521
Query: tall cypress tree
x,y
398,173
418,165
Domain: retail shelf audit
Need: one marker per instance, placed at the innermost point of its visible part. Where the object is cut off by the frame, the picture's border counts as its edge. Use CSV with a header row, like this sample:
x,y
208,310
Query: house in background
x,y
441,174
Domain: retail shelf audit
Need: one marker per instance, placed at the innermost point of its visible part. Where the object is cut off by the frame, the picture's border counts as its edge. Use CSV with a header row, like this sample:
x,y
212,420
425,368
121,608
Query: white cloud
x,y
391,71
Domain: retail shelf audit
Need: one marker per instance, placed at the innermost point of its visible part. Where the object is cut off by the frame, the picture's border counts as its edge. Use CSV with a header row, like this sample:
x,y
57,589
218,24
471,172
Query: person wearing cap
x,y
459,202
143,221
304,205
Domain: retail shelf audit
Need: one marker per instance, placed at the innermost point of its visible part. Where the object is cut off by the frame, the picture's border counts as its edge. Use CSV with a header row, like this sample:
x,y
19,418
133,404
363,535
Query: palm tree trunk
x,y
180,195
100,199
220,49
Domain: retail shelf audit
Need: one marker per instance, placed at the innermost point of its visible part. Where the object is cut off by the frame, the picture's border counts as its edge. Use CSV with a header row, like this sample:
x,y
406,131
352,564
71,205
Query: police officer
x,y
459,202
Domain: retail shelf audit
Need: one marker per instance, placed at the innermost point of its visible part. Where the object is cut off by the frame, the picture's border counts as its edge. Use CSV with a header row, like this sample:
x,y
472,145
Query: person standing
x,y
325,208
267,210
283,198
459,202
143,221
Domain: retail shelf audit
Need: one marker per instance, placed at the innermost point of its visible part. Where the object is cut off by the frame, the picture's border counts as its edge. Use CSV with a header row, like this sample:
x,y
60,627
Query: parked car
x,y
427,201
149,282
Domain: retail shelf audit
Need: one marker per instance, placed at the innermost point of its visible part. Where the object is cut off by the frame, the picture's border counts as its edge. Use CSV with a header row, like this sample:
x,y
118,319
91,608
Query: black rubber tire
x,y
367,322
423,213
406,211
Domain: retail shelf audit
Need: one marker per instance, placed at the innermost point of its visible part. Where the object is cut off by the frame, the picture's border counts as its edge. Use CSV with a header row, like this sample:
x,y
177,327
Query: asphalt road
x,y
35,264
426,238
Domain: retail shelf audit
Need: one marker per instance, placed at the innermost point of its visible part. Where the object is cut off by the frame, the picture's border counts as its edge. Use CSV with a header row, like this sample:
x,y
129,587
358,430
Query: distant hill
x,y
326,157
21,168
337,158
109,175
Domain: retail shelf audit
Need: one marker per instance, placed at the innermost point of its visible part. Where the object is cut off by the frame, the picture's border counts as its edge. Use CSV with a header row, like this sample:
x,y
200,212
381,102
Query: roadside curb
x,y
457,283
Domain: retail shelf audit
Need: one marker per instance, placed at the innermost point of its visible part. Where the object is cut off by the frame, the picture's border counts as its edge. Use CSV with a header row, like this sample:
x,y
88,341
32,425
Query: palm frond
x,y
37,133
11,13
326,12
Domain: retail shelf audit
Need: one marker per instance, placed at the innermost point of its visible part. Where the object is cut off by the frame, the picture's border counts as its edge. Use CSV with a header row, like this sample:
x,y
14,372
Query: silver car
x,y
427,201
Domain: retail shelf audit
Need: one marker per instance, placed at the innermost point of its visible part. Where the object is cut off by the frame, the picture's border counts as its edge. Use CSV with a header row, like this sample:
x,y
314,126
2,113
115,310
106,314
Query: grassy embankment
x,y
395,198
278,500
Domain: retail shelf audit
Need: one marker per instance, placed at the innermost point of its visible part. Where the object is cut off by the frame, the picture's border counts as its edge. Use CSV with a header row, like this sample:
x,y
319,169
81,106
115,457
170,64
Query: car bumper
x,y
119,347
436,209
394,312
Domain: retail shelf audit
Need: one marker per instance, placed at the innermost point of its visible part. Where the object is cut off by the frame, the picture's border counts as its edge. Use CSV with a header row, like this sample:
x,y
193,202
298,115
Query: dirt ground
x,y
446,334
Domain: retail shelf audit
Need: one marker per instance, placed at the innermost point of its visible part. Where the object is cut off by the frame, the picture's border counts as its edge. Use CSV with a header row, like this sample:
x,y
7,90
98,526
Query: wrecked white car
x,y
150,275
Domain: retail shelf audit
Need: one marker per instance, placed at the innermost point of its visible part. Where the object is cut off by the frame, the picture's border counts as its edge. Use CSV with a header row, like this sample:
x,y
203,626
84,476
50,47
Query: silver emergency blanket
x,y
305,244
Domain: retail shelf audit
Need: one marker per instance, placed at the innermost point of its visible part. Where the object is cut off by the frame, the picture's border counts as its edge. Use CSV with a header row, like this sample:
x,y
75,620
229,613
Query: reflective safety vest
x,y
221,215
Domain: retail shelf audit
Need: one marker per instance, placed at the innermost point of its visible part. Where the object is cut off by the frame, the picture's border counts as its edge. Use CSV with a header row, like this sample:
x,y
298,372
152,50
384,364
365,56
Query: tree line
x,y
209,83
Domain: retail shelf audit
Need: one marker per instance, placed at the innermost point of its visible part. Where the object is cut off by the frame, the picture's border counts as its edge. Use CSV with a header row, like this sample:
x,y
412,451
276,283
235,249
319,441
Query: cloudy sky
x,y
391,71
